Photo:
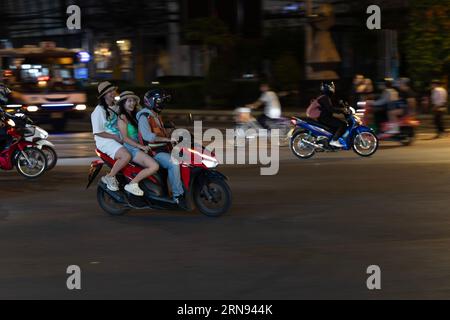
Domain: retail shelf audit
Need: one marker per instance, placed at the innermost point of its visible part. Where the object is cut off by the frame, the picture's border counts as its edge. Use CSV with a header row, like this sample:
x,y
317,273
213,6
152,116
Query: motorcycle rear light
x,y
44,78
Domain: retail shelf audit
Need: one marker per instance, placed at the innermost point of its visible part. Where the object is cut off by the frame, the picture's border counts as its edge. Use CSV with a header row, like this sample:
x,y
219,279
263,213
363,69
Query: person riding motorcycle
x,y
327,109
152,130
4,137
272,106
407,96
389,101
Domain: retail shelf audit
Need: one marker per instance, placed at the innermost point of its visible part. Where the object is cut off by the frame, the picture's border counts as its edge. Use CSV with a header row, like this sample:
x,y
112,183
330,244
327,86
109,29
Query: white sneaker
x,y
336,143
134,189
111,183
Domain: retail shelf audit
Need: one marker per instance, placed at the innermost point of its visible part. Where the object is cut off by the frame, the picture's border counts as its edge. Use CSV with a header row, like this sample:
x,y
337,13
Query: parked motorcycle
x,y
205,188
24,155
310,136
378,120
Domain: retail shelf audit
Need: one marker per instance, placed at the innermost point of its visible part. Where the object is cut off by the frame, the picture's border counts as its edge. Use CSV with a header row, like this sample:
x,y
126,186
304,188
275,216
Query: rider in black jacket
x,y
326,115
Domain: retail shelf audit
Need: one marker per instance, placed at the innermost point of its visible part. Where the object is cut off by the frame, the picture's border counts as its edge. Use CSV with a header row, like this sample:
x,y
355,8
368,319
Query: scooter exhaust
x,y
318,146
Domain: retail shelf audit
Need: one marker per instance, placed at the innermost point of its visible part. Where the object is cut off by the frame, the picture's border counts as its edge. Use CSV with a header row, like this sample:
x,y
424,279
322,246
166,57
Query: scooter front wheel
x,y
52,157
31,163
213,199
109,204
365,144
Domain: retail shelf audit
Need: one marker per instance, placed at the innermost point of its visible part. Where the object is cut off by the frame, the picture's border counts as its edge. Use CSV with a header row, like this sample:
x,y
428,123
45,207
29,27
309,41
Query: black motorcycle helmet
x,y
156,100
328,88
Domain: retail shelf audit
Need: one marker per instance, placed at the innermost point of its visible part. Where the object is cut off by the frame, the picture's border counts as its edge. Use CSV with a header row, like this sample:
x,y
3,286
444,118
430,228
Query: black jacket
x,y
326,107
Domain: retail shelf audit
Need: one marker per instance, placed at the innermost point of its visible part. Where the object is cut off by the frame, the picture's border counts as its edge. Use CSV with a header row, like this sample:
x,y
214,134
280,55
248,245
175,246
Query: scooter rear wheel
x,y
300,149
407,136
109,205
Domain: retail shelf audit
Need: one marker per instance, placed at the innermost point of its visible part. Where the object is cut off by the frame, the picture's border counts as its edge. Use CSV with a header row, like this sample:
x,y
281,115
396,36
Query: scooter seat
x,y
158,176
317,124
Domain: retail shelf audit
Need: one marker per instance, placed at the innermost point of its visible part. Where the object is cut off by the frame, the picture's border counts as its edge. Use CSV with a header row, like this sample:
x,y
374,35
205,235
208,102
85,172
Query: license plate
x,y
57,115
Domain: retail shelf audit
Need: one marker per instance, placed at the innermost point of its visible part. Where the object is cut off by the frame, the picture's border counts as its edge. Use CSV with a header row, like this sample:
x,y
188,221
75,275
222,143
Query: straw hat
x,y
105,87
128,94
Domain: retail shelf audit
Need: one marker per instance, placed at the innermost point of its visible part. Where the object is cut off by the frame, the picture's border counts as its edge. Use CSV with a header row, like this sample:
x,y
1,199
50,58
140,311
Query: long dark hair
x,y
131,116
102,102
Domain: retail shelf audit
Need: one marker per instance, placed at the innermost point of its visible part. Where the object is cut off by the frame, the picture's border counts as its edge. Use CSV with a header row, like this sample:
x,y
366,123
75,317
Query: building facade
x,y
146,39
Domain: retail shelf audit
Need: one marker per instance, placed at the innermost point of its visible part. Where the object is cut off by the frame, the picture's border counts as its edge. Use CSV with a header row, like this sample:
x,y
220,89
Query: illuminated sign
x,y
84,56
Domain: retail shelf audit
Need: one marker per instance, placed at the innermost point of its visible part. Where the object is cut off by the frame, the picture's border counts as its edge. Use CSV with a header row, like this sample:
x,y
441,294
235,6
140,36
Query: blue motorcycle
x,y
309,137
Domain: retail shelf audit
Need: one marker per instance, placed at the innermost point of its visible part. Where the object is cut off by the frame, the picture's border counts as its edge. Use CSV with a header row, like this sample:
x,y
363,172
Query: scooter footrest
x,y
136,202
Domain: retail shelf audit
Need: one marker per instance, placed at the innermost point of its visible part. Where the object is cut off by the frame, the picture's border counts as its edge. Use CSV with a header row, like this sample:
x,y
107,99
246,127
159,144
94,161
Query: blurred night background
x,y
214,53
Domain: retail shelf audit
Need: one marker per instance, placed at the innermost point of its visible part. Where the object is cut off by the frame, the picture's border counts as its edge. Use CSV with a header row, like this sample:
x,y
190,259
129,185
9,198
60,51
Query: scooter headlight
x,y
210,163
207,161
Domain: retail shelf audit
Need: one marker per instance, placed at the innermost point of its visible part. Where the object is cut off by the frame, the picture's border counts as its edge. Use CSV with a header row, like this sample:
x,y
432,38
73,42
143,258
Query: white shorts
x,y
109,147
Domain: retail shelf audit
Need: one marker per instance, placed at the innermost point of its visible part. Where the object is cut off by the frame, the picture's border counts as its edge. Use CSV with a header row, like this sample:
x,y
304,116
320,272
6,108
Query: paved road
x,y
309,232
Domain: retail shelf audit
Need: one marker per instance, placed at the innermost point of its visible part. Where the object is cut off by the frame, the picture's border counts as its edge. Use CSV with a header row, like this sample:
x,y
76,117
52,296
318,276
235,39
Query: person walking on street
x,y
439,98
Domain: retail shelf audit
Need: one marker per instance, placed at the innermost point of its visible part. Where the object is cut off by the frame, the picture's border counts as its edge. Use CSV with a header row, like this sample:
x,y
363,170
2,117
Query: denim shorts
x,y
132,150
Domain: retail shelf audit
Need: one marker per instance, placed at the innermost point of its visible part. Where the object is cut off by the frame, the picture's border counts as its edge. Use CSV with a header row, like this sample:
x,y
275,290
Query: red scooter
x,y
205,188
378,120
29,161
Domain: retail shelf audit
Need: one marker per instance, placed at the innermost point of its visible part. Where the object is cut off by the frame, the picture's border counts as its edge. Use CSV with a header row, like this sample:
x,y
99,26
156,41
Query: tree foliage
x,y
427,44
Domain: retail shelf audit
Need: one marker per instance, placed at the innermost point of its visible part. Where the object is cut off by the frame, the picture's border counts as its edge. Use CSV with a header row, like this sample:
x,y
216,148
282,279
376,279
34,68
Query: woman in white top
x,y
106,133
